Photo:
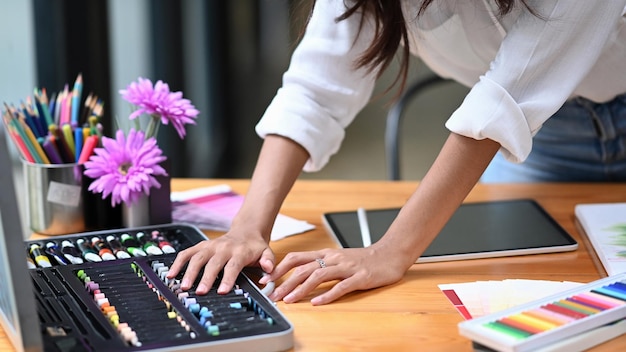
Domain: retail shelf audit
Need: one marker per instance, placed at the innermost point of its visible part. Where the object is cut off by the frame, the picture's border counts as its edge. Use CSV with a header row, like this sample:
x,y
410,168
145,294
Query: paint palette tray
x,y
108,291
588,314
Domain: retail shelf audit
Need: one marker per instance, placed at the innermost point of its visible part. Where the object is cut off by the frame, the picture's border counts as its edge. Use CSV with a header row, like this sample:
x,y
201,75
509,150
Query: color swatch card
x,y
604,225
213,208
572,320
475,299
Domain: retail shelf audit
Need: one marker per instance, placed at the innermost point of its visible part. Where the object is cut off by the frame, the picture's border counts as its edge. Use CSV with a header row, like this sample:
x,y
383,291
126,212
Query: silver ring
x,y
321,262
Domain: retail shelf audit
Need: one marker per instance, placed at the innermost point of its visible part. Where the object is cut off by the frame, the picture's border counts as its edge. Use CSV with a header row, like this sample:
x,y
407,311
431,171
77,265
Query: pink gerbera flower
x,y
159,102
125,167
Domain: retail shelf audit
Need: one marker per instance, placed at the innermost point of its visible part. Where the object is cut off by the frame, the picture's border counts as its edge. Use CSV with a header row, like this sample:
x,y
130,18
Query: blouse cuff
x,y
488,111
321,137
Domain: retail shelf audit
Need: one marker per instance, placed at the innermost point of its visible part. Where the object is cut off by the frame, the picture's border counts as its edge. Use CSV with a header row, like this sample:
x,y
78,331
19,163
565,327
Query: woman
x,y
525,61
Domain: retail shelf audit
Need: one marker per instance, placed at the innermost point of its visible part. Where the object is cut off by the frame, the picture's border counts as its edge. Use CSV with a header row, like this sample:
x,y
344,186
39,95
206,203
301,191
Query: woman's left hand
x,y
355,268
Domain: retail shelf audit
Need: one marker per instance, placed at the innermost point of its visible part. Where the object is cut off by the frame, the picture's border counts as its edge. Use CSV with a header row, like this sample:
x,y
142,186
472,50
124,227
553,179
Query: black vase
x,y
154,209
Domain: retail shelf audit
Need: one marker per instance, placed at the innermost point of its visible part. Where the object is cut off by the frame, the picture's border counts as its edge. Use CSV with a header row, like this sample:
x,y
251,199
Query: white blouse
x,y
521,68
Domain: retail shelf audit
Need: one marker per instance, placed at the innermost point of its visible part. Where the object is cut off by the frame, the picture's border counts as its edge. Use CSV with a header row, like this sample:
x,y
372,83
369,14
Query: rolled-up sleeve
x,y
322,91
540,64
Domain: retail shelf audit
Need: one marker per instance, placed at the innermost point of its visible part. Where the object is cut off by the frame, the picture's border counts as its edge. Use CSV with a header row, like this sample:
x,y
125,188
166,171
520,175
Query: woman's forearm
x,y
279,164
452,176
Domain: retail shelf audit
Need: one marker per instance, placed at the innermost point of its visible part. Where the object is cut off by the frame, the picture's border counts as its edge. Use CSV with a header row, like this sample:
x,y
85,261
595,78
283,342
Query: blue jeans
x,y
583,142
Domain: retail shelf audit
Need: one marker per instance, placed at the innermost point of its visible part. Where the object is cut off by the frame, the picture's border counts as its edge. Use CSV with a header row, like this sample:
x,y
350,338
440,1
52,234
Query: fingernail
x,y
222,289
274,295
185,284
288,298
263,280
201,288
316,301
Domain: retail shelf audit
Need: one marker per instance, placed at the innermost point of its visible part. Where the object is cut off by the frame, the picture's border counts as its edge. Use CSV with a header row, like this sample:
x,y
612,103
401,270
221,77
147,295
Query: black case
x,y
72,318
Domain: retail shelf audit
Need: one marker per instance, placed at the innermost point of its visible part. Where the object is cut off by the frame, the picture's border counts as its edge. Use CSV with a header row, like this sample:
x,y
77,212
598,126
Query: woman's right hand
x,y
232,252
247,242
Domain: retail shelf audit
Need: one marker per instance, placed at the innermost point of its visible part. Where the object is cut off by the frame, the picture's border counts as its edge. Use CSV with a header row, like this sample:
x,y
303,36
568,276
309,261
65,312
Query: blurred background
x,y
227,57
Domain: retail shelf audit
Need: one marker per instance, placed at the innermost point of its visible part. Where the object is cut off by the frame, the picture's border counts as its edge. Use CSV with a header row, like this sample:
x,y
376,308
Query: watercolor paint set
x,y
572,320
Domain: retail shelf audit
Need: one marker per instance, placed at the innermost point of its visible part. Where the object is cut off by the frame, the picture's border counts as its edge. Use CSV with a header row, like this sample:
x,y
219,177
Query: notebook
x,y
476,230
604,226
107,291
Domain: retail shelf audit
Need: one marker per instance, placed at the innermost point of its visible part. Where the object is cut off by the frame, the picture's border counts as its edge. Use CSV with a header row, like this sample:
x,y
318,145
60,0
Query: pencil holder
x,y
58,202
53,198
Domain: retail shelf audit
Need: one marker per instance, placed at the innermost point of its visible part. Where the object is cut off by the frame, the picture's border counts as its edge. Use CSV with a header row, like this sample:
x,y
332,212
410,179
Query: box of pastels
x,y
108,291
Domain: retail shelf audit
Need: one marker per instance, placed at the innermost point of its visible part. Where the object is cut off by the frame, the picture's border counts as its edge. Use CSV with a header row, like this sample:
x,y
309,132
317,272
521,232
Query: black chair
x,y
394,121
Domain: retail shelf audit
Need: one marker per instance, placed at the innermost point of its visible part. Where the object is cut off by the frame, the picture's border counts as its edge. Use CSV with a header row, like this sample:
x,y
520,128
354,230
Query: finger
x,y
231,272
267,261
339,290
303,279
291,261
211,271
179,262
193,268
316,278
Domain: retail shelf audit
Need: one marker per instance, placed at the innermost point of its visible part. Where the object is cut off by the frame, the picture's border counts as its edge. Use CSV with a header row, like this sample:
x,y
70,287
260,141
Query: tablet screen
x,y
476,230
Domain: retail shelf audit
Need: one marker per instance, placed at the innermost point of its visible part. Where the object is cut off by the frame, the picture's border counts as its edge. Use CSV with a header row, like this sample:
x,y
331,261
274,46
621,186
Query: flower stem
x,y
137,125
153,127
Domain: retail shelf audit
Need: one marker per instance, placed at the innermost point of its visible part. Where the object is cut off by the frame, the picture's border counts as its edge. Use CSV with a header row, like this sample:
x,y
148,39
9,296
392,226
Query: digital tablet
x,y
476,230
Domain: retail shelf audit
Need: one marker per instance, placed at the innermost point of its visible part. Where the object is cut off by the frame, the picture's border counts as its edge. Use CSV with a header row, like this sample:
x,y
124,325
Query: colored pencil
x,y
17,140
88,147
51,151
31,137
75,102
59,140
55,130
24,138
42,107
68,135
78,141
57,108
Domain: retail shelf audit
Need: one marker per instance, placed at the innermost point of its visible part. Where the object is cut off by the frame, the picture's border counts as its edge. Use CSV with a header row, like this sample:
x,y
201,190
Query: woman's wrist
x,y
251,227
398,255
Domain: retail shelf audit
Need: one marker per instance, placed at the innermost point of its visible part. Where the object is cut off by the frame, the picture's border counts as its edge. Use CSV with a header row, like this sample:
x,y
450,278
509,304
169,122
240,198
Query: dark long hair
x,y
390,32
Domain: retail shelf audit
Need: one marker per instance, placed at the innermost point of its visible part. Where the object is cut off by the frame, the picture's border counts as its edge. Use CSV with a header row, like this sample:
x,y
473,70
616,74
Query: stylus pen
x,y
364,227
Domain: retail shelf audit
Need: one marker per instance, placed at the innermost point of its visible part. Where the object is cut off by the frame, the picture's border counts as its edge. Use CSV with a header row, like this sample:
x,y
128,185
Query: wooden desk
x,y
413,314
